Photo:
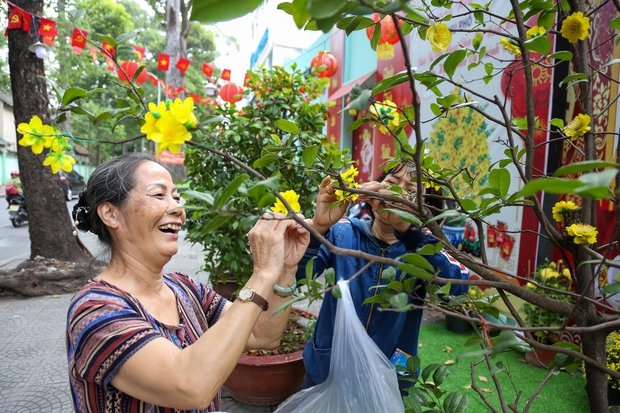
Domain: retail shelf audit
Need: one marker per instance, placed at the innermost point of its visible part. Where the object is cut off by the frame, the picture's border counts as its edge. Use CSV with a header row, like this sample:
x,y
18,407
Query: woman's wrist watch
x,y
247,294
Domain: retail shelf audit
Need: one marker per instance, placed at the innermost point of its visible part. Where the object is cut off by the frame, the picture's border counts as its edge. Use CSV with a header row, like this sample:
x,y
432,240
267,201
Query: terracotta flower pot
x,y
267,380
540,358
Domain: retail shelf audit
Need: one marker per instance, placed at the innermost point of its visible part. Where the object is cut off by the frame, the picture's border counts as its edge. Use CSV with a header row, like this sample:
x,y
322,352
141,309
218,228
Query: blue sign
x,y
259,49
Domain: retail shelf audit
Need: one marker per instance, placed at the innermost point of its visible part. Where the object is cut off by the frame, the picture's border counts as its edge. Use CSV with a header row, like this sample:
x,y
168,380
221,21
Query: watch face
x,y
245,293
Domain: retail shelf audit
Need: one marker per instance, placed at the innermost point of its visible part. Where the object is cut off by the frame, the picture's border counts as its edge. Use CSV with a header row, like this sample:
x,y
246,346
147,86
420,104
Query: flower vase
x,y
540,357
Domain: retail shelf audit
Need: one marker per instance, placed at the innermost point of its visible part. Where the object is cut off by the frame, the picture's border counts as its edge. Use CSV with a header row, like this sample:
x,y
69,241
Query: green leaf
x,y
310,269
323,9
418,261
415,13
266,200
264,160
309,155
287,126
584,166
230,190
72,94
570,78
611,62
416,272
400,301
405,216
202,196
453,61
124,37
500,180
216,222
102,116
430,249
563,55
440,375
539,44
211,11
558,123
390,82
446,214
550,185
455,403
357,124
428,370
615,23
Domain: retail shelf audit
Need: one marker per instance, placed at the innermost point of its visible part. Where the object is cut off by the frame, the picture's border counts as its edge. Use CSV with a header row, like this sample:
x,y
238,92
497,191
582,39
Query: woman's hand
x,y
296,240
325,216
378,204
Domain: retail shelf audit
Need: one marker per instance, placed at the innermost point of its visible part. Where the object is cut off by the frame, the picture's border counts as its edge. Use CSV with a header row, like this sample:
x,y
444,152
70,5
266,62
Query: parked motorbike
x,y
17,210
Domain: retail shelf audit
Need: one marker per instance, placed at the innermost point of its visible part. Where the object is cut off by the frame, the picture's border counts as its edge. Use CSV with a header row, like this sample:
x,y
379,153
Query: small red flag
x,y
47,27
139,52
207,69
182,64
245,79
93,53
225,74
110,63
79,38
170,90
108,49
163,62
49,38
15,19
77,50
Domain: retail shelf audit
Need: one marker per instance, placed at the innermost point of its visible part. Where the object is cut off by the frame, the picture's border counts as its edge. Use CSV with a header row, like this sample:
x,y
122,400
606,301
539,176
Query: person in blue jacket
x,y
387,235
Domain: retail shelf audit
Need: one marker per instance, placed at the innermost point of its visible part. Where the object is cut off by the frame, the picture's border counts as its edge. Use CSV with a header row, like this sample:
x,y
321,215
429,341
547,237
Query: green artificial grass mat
x,y
563,393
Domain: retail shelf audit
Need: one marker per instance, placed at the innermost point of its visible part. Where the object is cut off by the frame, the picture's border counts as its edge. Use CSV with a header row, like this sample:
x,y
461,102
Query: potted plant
x,y
557,282
282,121
612,350
268,377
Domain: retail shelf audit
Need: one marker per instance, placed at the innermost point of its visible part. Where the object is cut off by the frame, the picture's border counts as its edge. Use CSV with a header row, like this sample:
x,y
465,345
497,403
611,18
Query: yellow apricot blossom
x,y
170,134
577,127
348,177
292,198
183,112
582,233
575,27
439,36
566,272
59,161
385,114
562,209
511,46
535,31
36,134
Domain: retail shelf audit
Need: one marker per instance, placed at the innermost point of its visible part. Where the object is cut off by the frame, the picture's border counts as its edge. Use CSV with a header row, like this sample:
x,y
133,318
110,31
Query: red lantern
x,y
326,59
389,37
130,68
231,93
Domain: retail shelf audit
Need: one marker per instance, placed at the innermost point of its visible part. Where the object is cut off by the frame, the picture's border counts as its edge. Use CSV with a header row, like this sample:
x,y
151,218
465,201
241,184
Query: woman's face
x,y
401,177
149,223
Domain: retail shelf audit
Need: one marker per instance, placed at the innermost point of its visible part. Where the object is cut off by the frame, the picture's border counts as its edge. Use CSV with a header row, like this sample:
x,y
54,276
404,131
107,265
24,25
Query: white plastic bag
x,y
361,379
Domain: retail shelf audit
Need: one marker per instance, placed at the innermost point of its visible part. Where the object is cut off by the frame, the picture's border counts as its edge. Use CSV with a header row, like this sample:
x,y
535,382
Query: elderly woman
x,y
140,340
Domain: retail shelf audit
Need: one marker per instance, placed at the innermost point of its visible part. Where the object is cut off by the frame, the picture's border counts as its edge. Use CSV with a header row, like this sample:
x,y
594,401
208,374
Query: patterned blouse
x,y
106,326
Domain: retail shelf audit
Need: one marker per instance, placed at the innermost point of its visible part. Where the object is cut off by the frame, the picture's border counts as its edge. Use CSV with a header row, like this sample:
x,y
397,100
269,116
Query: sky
x,y
238,62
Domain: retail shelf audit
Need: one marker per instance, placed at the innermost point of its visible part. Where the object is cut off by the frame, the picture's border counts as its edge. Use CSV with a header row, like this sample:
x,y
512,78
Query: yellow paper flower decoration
x,y
577,127
348,177
291,198
385,114
439,36
169,127
547,273
535,31
561,209
59,161
36,134
566,272
584,234
575,27
511,46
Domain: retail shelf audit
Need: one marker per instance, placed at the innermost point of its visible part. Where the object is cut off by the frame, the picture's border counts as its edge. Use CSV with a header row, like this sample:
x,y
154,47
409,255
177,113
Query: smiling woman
x,y
133,313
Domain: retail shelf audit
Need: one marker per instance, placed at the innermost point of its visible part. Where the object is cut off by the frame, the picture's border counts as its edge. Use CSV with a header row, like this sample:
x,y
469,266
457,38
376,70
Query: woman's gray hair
x,y
111,182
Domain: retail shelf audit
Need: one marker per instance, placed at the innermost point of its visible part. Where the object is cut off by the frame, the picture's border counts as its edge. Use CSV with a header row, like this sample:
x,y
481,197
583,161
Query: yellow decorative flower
x,y
36,134
575,27
561,209
577,127
584,234
183,112
439,36
291,198
58,161
535,31
385,114
566,272
170,135
511,46
548,273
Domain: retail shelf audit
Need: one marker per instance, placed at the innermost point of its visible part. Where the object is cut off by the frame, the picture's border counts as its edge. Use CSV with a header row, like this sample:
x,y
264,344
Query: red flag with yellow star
x,y
139,52
108,49
182,64
163,62
50,36
110,63
47,27
78,39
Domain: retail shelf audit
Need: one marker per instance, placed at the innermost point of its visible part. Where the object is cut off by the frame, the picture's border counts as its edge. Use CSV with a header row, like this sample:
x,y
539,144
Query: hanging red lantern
x,y
326,59
231,93
389,37
130,68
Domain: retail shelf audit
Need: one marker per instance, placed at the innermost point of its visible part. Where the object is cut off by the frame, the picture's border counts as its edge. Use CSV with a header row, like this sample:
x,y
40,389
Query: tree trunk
x,y
50,226
175,44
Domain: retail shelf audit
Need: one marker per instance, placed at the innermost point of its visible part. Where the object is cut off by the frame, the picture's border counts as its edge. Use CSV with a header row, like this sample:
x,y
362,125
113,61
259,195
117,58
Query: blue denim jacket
x,y
388,329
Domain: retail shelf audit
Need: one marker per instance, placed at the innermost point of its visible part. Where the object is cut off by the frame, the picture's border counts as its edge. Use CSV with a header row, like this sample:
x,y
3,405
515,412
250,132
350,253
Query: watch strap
x,y
257,299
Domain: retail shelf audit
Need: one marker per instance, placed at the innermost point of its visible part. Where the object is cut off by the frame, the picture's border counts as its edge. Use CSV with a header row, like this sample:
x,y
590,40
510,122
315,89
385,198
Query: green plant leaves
x,y
211,11
287,126
224,196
